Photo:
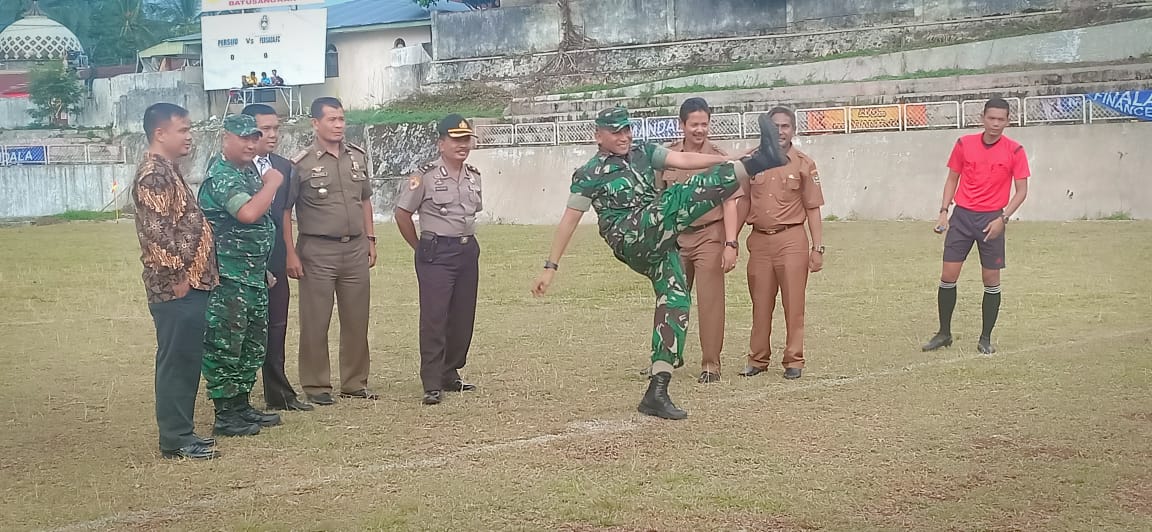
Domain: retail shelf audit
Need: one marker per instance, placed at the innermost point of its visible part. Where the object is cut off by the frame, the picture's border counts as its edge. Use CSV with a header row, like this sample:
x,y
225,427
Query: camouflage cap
x,y
242,125
615,118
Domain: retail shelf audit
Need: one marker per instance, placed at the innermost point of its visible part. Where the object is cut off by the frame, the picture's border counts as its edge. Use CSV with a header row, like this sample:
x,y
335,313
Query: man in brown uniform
x,y
333,254
709,246
446,194
779,257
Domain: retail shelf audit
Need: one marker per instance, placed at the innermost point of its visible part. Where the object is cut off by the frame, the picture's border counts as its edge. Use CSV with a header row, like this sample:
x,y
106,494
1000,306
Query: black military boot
x,y
769,155
229,422
252,415
941,339
656,401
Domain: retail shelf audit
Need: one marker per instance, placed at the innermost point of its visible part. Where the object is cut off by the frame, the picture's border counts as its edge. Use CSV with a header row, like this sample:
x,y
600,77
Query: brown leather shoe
x,y
364,393
751,371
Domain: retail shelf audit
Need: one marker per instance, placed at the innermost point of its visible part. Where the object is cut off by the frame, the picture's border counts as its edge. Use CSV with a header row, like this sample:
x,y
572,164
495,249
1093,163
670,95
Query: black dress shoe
x,y
321,399
195,451
293,404
792,373
364,393
751,371
984,345
938,341
459,385
708,377
207,442
656,401
433,397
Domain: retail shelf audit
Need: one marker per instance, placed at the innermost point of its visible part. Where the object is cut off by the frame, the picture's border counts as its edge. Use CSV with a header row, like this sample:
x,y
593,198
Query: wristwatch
x,y
733,244
549,265
372,238
1005,218
819,249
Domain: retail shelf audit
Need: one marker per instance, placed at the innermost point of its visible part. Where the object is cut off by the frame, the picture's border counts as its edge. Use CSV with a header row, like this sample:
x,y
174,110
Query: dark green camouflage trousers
x,y
236,338
645,240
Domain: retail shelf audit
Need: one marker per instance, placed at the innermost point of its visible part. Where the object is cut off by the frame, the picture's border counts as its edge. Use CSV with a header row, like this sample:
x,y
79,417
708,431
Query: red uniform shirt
x,y
987,172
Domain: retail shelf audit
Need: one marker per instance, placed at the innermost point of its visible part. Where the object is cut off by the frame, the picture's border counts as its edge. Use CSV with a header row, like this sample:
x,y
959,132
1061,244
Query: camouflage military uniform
x,y
641,228
237,334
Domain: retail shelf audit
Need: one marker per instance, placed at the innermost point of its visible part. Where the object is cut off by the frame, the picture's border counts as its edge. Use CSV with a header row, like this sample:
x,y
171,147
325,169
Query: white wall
x,y
1083,170
14,112
53,189
366,59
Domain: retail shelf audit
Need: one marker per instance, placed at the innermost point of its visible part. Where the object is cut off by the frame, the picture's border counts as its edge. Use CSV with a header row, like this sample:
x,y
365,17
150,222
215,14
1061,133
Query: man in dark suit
x,y
278,392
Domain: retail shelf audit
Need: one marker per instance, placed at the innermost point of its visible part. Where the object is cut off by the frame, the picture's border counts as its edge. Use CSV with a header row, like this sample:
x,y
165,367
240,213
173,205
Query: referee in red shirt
x,y
982,171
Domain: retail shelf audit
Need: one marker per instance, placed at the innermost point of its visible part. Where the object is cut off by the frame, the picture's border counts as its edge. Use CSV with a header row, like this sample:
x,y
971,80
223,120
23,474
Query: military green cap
x,y
242,125
615,118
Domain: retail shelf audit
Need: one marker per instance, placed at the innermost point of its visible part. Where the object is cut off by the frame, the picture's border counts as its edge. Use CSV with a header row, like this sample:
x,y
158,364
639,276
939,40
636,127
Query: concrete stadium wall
x,y
516,30
120,102
534,28
1111,42
27,191
879,176
635,63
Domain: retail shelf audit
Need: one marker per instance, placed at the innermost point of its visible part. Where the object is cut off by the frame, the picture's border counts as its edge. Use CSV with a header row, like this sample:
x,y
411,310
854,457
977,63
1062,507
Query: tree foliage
x,y
54,91
113,31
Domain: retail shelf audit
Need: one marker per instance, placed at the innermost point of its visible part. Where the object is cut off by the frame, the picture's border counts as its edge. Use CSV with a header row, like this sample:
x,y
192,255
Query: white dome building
x,y
36,38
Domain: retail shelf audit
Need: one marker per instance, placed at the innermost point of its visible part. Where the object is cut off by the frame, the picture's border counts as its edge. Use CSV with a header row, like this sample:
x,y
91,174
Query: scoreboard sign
x,y
209,6
290,42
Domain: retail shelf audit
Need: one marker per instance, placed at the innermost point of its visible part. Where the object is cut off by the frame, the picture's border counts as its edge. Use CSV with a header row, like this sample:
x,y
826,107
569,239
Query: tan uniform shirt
x,y
780,196
672,175
447,203
329,191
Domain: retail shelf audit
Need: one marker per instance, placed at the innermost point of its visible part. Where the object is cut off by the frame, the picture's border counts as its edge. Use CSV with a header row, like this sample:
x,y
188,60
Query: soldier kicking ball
x,y
642,227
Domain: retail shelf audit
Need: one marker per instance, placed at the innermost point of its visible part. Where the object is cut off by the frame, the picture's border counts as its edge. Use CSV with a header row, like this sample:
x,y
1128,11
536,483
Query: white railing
x,y
820,120
1055,109
540,133
930,115
1033,110
488,135
40,154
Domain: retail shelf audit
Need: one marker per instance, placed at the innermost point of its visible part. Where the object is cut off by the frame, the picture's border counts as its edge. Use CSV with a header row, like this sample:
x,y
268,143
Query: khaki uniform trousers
x,y
702,253
777,263
340,269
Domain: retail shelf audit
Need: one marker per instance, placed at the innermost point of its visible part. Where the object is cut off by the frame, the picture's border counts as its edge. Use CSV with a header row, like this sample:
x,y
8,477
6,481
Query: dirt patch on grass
x,y
740,522
1136,496
1027,449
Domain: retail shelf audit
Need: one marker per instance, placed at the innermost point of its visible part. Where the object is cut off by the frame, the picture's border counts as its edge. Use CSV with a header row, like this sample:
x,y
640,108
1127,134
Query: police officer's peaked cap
x,y
242,125
455,126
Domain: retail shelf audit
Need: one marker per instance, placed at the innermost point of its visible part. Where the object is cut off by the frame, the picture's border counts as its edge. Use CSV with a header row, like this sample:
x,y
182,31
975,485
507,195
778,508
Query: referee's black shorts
x,y
967,227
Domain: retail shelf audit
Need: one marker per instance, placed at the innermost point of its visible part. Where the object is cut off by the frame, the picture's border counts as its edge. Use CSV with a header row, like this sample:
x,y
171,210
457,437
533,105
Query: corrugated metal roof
x,y
372,12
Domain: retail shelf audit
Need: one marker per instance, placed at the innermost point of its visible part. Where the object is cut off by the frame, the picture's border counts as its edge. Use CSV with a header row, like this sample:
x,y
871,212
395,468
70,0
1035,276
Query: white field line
x,y
576,431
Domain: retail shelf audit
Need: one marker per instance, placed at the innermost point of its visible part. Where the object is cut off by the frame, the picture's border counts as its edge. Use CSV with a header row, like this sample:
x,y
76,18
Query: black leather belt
x,y
334,238
433,236
776,229
695,228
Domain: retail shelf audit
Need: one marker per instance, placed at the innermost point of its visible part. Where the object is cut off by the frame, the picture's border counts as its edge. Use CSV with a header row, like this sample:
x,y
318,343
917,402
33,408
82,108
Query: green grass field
x,y
1053,432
